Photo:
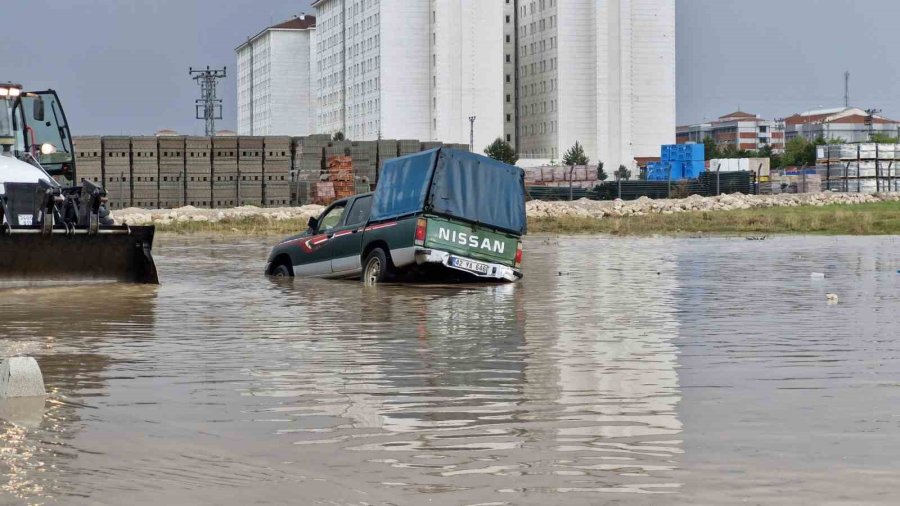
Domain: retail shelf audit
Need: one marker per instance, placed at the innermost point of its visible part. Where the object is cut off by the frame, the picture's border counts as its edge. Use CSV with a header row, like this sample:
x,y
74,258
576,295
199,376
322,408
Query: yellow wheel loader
x,y
53,227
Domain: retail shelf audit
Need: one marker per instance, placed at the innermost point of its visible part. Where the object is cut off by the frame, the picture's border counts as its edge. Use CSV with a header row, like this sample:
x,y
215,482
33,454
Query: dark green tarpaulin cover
x,y
455,183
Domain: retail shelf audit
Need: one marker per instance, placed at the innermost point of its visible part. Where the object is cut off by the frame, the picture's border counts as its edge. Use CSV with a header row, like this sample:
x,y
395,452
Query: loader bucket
x,y
117,253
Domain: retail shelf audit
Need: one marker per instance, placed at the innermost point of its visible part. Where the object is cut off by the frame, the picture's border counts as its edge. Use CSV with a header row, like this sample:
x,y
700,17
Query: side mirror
x,y
38,109
313,223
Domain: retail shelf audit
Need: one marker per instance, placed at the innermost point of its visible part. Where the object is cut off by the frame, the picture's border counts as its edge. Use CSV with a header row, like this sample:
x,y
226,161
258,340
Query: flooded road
x,y
632,371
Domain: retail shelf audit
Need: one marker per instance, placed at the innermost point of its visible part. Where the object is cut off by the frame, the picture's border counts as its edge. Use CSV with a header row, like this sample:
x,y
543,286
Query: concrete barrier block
x,y
21,377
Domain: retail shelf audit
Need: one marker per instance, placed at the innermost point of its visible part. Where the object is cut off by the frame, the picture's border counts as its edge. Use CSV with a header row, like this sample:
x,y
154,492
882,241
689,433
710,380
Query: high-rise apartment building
x,y
276,71
417,70
600,72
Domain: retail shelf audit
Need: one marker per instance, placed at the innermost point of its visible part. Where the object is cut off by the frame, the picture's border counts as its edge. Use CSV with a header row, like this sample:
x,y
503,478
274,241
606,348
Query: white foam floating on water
x,y
817,275
21,377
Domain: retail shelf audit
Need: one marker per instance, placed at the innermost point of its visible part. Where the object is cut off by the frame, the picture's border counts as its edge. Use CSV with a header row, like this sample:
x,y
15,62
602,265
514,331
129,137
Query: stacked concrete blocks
x,y
365,163
309,162
89,159
224,171
431,145
145,172
171,171
198,171
277,171
117,171
408,147
250,170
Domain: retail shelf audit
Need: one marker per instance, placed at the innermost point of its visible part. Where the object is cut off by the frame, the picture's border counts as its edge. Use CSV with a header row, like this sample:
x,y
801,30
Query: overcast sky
x,y
122,66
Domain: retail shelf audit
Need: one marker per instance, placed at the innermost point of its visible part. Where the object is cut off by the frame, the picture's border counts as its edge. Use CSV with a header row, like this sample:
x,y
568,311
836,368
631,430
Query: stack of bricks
x,y
224,171
341,177
171,171
431,145
117,171
277,171
250,171
144,172
408,147
365,164
198,171
462,147
89,160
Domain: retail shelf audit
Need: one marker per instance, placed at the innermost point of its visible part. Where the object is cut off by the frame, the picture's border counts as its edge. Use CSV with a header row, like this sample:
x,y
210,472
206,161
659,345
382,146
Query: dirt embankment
x,y
644,206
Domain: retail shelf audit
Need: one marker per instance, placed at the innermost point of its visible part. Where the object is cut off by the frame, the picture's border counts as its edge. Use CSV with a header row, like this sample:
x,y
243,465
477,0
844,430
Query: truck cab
x,y
440,214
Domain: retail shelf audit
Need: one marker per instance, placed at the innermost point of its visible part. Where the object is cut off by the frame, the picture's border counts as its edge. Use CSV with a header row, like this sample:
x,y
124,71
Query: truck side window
x,y
331,220
359,212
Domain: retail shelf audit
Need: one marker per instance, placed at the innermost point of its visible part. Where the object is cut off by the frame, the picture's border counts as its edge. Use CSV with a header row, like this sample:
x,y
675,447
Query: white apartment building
x,y
276,71
411,70
600,72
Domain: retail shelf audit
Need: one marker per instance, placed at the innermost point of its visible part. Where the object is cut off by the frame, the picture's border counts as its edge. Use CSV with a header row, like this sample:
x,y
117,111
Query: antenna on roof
x,y
846,89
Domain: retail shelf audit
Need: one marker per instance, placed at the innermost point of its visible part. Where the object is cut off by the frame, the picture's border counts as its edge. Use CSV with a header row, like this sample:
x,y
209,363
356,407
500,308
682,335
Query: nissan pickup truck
x,y
443,214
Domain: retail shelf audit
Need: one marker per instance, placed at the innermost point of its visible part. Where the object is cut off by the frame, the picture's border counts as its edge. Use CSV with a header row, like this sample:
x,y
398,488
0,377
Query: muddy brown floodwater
x,y
631,371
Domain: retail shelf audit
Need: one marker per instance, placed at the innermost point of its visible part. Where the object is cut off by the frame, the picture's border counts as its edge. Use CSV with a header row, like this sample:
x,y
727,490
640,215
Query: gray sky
x,y
122,66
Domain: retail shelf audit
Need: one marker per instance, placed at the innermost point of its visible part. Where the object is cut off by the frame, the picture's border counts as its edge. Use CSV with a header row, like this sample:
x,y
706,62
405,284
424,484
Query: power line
x,y
208,107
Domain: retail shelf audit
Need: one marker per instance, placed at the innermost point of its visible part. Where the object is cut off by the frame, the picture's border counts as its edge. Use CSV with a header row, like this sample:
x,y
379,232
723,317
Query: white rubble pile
x,y
135,216
535,208
695,203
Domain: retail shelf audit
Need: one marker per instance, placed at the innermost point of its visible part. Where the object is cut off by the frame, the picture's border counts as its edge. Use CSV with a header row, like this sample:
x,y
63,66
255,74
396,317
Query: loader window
x,y
6,129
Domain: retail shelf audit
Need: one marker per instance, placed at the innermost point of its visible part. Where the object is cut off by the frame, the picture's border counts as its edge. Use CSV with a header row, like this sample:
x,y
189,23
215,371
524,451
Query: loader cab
x,y
33,127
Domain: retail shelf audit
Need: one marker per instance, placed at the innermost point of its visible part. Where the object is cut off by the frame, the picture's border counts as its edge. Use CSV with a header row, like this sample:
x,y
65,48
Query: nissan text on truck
x,y
443,214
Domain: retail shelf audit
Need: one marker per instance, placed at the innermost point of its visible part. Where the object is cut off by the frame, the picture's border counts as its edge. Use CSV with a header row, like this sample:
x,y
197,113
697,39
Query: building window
x,y
508,99
508,60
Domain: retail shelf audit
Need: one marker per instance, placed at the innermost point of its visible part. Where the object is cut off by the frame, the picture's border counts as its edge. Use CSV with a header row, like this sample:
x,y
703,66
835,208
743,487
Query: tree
x,y
711,148
883,138
799,151
575,156
338,136
623,174
502,151
601,175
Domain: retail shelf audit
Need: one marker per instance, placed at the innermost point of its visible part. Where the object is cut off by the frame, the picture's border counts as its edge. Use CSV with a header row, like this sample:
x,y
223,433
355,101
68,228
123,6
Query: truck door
x,y
314,255
346,243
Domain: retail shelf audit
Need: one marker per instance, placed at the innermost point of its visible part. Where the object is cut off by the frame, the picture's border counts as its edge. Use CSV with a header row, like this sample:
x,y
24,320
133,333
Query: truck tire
x,y
281,271
376,269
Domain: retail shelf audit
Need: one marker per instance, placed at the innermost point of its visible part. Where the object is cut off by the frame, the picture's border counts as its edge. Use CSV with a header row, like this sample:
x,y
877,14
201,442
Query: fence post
x,y
718,186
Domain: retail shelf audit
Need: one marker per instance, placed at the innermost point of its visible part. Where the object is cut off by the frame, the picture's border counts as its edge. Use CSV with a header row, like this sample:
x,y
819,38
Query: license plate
x,y
469,265
25,220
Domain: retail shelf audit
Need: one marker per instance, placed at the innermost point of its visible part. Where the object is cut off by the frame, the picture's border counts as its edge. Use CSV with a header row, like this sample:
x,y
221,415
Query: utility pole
x,y
208,107
846,89
870,121
472,134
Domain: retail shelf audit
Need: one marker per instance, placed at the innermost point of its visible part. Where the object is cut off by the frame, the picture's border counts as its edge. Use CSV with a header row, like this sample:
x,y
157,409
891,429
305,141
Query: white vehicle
x,y
52,226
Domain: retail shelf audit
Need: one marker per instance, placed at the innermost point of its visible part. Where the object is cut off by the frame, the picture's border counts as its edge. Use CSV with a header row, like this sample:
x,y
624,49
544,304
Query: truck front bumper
x,y
495,271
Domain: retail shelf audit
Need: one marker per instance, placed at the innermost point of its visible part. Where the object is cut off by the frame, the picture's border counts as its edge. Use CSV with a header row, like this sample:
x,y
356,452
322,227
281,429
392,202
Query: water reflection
x,y
618,368
63,328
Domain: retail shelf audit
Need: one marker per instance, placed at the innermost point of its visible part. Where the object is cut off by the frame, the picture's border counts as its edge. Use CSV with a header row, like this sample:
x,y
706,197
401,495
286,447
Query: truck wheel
x,y
376,268
281,271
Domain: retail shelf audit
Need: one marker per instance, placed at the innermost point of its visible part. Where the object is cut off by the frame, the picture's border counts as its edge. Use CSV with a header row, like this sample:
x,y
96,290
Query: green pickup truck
x,y
443,214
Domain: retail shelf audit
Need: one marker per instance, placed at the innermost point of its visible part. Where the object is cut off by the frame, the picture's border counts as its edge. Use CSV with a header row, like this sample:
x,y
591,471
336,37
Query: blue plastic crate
x,y
693,169
695,152
668,152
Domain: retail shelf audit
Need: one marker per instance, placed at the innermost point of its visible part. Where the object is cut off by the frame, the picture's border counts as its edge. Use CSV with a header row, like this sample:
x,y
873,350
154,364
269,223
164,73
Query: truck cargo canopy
x,y
454,183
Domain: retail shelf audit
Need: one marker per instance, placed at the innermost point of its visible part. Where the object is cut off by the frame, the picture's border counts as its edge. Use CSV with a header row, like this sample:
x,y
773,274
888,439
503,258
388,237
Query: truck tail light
x,y
519,255
421,229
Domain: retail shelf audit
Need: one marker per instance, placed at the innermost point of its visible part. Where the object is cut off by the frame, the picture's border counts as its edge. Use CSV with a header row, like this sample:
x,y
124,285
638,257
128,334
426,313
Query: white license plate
x,y
469,265
25,220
